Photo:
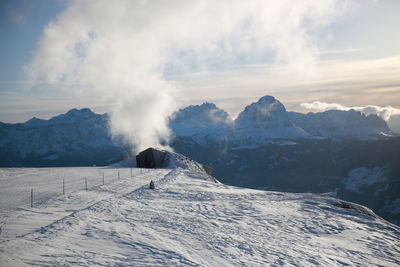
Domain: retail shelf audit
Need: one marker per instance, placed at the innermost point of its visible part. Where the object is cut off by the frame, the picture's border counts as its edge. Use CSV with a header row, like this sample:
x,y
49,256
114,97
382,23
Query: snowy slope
x,y
18,218
191,220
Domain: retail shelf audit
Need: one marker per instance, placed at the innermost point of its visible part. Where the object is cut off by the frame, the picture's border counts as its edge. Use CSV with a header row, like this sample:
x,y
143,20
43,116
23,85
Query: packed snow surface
x,y
189,220
17,218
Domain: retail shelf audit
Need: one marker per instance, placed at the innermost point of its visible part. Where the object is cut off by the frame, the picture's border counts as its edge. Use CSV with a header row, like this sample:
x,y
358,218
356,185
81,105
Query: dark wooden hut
x,y
150,158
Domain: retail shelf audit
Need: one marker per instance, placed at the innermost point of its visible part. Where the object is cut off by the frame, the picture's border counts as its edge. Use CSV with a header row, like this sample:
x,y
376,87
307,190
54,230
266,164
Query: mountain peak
x,y
77,116
208,105
78,112
267,99
203,119
35,122
267,112
207,113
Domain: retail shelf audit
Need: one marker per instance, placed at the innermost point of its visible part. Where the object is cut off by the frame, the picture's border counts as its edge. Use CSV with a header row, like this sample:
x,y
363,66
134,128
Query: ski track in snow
x,y
196,222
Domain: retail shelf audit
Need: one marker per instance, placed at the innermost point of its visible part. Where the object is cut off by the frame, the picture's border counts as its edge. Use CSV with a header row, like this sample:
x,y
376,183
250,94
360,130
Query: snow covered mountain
x,y
266,113
258,122
190,220
205,120
340,123
265,119
78,136
83,137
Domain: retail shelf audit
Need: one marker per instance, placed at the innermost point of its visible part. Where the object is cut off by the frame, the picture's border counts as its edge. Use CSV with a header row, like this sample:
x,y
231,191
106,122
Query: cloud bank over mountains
x,y
390,114
129,51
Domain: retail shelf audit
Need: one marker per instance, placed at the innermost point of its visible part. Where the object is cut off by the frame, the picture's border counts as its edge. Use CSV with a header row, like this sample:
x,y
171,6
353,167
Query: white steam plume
x,y
390,114
123,50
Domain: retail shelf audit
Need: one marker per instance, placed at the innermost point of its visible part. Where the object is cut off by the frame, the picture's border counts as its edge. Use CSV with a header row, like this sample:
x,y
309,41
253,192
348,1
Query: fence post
x,y
118,175
31,198
86,183
131,172
63,186
103,178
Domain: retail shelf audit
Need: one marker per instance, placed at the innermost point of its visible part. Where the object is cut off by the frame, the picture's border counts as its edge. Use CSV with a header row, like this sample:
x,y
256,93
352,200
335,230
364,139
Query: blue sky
x,y
352,59
21,24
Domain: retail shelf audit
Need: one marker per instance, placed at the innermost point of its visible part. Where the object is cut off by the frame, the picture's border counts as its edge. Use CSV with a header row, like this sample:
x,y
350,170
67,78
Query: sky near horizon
x,y
229,53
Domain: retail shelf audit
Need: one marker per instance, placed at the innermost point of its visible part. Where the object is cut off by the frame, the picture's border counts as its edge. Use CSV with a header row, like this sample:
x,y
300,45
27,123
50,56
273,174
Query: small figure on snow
x,y
152,186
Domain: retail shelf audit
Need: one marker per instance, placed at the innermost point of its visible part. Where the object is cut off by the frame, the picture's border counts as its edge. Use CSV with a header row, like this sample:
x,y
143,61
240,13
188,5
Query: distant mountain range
x,y
76,138
82,137
267,120
265,147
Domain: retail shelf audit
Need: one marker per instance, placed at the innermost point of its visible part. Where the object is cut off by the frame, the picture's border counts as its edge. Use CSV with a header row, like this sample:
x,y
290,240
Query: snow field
x,y
16,183
189,221
18,218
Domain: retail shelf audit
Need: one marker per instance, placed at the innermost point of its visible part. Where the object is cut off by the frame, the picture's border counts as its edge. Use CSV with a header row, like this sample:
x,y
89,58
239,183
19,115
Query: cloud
x,y
354,82
322,106
390,114
383,112
130,51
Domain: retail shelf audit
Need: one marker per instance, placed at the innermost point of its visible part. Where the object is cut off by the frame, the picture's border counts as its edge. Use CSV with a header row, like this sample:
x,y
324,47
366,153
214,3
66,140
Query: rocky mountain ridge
x,y
83,134
268,119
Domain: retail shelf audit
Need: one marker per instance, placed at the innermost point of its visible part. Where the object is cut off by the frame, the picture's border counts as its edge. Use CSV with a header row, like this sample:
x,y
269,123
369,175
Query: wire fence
x,y
29,187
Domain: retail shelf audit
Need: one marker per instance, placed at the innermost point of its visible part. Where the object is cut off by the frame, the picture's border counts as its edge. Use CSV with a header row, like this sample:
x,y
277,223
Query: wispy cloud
x,y
383,112
31,82
350,82
340,51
